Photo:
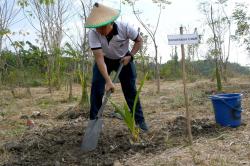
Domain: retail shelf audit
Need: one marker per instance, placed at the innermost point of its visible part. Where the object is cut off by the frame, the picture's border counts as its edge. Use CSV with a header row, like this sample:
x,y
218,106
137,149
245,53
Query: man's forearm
x,y
99,58
103,69
137,45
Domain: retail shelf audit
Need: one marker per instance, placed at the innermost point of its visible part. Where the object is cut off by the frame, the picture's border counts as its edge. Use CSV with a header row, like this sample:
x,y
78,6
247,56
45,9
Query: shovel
x,y
94,127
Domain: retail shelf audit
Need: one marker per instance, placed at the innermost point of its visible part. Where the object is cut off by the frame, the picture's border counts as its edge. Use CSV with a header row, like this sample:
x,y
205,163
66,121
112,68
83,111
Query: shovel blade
x,y
91,135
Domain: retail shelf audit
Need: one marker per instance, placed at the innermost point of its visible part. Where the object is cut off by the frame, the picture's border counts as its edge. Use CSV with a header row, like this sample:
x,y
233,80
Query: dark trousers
x,y
127,79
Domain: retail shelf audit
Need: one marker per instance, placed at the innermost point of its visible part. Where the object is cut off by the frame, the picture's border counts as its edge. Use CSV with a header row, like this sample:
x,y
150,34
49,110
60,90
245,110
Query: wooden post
x,y
189,132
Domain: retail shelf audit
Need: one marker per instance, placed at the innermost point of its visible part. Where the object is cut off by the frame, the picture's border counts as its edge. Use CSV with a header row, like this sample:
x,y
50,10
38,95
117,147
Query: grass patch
x,y
4,155
178,102
45,103
6,101
11,128
9,110
219,161
198,97
14,132
35,83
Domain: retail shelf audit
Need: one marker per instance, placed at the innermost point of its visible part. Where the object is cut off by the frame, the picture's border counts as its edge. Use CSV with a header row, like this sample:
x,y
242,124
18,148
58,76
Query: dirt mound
x,y
72,113
61,145
200,127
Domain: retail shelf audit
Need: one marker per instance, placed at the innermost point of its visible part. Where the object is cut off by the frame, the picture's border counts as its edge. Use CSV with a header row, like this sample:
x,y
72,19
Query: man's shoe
x,y
143,126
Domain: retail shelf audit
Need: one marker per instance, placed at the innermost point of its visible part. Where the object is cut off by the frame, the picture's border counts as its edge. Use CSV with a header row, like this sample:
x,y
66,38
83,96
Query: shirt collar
x,y
113,32
115,29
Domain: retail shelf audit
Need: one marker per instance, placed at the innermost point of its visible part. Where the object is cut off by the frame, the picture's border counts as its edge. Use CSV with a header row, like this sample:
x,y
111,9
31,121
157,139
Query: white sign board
x,y
183,39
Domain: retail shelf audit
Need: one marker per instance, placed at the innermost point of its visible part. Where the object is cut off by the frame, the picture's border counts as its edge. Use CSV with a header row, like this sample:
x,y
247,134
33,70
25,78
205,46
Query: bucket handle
x,y
236,111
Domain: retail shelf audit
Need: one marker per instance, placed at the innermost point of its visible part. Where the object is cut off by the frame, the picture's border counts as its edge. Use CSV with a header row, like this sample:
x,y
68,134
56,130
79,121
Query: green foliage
x,y
83,75
150,75
171,70
203,67
23,3
130,2
241,18
4,31
144,66
46,2
14,77
137,94
7,59
35,65
2,114
33,62
161,2
45,103
85,98
128,117
34,58
198,69
36,83
242,32
192,78
236,69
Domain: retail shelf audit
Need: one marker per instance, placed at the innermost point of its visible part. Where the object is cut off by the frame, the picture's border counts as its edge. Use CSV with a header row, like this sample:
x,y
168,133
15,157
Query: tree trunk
x,y
218,78
70,88
157,68
84,98
49,73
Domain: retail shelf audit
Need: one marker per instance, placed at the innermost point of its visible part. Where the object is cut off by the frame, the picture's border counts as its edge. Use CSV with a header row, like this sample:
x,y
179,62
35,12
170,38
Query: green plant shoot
x,y
127,115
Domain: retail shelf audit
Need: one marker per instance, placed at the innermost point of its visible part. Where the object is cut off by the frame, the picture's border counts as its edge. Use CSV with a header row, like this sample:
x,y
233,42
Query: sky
x,y
180,13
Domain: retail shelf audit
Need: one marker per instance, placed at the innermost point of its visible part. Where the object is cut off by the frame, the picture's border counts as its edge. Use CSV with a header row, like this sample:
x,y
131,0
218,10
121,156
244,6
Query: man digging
x,y
109,41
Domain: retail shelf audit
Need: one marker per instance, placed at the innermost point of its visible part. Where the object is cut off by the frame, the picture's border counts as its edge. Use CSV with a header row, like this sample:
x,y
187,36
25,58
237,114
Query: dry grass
x,y
12,109
230,147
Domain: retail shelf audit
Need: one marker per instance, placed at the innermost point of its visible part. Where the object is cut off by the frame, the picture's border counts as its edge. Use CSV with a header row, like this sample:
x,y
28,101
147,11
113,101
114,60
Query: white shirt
x,y
118,46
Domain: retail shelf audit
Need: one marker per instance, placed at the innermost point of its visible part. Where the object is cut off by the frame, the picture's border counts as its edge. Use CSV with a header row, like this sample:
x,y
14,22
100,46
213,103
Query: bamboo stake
x,y
189,132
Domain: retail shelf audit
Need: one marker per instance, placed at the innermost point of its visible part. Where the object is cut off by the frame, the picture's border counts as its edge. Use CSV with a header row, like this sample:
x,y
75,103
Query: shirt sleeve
x,y
132,33
94,41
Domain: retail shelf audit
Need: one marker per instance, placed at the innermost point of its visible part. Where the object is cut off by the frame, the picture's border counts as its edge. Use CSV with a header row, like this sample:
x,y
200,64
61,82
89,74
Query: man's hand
x,y
99,58
125,60
109,86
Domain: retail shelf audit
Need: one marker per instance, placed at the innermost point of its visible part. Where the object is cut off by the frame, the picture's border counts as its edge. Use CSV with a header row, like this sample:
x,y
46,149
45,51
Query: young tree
x,y
85,54
192,53
216,52
143,59
151,32
220,26
79,49
19,49
51,16
227,21
8,17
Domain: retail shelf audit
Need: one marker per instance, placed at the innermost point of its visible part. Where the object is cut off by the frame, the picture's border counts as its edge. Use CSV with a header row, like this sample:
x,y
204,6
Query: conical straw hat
x,y
101,15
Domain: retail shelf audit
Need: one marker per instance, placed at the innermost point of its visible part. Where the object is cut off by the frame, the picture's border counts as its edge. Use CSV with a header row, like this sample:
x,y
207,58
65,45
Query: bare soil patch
x,y
56,138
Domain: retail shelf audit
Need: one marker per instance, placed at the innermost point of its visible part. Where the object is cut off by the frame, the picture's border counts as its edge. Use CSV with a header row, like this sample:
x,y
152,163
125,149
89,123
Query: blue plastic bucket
x,y
227,109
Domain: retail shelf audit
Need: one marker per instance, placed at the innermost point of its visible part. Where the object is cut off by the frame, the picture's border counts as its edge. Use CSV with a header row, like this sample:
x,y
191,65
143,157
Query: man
x,y
109,42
